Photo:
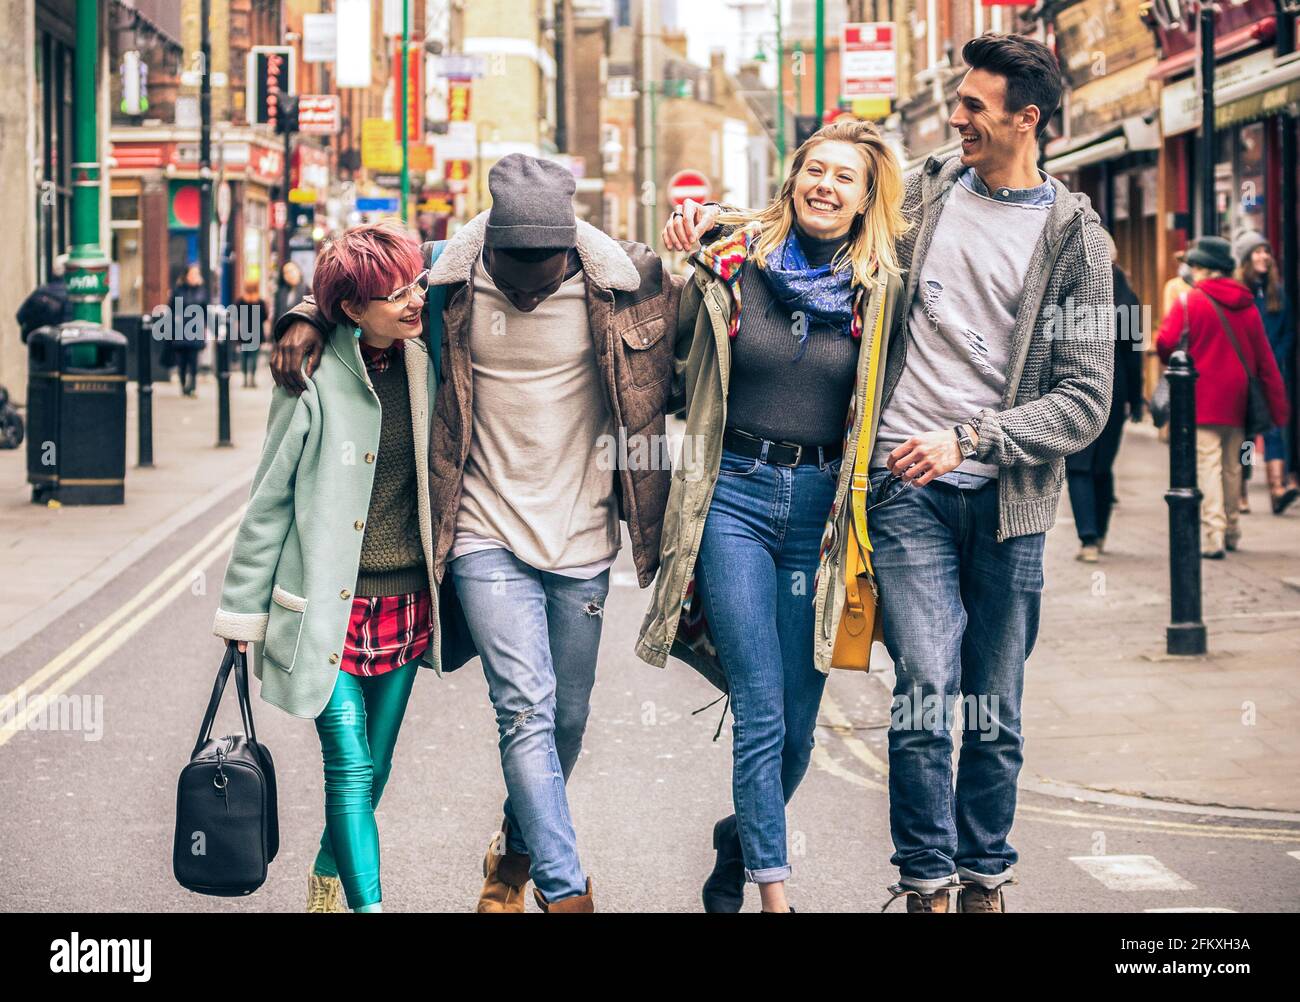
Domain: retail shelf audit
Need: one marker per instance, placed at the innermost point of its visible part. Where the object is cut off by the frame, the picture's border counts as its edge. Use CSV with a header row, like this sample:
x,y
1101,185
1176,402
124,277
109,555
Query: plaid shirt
x,y
385,633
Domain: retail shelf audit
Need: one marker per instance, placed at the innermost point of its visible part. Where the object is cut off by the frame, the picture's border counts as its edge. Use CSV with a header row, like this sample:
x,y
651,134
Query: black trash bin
x,y
76,414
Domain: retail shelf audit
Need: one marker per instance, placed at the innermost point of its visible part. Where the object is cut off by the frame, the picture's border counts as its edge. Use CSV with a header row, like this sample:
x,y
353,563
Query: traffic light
x,y
804,127
286,114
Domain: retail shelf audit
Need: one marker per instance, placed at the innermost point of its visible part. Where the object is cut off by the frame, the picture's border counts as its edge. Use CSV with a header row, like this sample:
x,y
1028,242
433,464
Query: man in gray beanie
x,y
556,346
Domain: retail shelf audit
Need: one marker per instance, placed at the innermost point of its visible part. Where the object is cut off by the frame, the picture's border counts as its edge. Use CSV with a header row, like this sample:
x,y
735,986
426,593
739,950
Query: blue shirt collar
x,y
1040,195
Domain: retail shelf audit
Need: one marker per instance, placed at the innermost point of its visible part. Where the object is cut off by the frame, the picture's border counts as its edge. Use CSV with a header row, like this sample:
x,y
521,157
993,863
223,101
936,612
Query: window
x,y
54,132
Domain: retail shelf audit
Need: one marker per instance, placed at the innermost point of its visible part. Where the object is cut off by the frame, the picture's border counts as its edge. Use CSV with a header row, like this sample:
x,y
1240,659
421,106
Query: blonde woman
x,y
754,530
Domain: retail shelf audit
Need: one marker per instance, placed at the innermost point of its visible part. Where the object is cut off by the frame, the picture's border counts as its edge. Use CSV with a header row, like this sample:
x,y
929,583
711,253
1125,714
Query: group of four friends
x,y
432,489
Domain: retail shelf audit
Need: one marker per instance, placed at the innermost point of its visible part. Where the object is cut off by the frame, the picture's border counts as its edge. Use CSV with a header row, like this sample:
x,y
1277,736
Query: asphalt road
x,y
87,817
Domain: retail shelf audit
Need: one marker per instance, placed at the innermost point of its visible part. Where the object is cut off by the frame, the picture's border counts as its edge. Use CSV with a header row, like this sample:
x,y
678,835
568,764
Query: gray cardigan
x,y
1058,388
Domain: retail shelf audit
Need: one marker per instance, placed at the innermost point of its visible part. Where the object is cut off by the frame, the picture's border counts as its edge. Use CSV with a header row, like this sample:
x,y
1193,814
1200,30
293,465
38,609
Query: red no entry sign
x,y
688,184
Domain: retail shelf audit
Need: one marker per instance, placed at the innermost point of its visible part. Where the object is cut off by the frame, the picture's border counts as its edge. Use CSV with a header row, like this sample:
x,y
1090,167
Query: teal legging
x,y
358,731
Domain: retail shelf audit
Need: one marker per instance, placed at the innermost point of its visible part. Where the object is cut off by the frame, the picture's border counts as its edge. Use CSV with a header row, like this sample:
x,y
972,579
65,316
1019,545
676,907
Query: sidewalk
x,y
1106,709
54,558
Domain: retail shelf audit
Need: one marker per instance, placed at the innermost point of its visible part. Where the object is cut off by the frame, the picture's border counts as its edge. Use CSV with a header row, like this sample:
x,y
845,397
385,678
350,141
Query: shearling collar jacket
x,y
631,304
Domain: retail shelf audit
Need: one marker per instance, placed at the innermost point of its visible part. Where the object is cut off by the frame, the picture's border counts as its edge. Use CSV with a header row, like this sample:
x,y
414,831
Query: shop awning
x,y
1132,135
1260,95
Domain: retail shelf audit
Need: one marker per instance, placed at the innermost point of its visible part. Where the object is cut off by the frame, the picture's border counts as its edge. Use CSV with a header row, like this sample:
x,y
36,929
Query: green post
x,y
87,263
820,110
406,139
780,95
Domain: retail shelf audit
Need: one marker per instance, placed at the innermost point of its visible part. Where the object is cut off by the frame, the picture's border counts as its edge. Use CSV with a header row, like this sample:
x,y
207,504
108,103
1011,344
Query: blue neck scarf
x,y
822,295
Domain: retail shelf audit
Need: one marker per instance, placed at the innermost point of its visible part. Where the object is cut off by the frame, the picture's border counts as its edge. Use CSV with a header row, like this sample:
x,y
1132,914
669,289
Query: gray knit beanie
x,y
1244,244
532,204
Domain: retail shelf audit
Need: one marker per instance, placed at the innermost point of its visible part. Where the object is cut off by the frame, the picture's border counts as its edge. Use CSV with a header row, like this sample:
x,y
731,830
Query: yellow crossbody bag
x,y
861,622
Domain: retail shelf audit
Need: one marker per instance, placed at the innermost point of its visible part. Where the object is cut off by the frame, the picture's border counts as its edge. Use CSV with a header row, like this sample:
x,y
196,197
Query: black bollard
x,y
1185,633
223,378
144,390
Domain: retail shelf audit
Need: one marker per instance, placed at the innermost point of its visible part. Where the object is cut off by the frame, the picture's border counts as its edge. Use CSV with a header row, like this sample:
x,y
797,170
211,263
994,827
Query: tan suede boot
x,y
324,894
975,898
918,903
505,875
577,903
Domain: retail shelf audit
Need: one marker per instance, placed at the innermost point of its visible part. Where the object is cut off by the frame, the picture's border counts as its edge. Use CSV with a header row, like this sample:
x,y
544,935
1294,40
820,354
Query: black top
x,y
771,394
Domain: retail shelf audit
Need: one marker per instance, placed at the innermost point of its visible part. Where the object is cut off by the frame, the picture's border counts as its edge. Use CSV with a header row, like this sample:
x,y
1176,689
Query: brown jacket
x,y
632,304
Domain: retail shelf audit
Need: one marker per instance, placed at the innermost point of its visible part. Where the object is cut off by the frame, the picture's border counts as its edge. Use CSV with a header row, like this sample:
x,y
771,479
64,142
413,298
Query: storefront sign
x,y
1180,101
458,101
271,69
379,152
414,92
1100,103
319,38
318,114
868,61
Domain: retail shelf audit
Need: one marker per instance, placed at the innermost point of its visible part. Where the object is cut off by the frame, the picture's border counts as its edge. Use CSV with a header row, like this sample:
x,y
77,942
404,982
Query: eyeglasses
x,y
404,294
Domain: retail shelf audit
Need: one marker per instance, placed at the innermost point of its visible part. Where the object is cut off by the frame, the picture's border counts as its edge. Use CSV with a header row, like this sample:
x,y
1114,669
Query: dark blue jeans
x,y
960,618
757,560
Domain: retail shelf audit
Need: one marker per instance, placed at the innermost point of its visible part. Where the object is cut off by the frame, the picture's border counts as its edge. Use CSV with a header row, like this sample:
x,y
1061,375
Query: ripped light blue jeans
x,y
538,634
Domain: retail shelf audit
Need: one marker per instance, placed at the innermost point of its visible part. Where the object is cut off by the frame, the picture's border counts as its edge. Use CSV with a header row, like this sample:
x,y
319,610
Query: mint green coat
x,y
288,586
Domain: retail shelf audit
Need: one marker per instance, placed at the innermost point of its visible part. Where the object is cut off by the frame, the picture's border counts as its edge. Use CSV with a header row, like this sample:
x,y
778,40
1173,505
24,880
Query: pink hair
x,y
373,259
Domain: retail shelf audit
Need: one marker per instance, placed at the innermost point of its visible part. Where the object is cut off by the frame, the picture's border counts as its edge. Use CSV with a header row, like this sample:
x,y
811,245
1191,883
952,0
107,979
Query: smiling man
x,y
983,399
553,345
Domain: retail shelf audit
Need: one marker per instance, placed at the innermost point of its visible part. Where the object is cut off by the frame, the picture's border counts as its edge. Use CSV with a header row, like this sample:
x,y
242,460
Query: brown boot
x,y
975,898
505,875
577,903
918,902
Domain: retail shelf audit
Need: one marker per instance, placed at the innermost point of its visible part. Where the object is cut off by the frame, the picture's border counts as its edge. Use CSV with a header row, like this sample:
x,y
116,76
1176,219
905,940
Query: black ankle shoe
x,y
724,890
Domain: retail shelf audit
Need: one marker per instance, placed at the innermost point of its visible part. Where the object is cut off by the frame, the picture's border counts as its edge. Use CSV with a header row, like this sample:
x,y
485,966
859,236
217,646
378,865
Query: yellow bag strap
x,y
861,484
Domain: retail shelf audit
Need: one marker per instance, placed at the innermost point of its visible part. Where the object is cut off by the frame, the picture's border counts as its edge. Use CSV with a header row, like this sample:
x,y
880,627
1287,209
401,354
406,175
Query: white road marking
x,y
1132,873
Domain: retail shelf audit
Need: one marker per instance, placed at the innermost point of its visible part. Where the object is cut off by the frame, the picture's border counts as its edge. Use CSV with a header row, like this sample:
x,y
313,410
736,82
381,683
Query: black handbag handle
x,y
241,688
237,660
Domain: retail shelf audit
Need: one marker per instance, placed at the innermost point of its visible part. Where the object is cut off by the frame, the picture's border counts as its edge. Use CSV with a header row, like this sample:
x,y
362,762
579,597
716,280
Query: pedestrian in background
x,y
1257,270
189,304
1090,471
290,289
318,529
252,317
1218,312
48,303
746,582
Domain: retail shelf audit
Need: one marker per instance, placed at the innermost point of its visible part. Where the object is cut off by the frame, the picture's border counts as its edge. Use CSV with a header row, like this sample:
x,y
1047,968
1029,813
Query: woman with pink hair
x,y
330,576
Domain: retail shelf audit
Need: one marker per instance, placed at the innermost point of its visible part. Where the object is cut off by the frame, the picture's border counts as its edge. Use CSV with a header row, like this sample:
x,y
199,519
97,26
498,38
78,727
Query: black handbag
x,y
227,827
1259,415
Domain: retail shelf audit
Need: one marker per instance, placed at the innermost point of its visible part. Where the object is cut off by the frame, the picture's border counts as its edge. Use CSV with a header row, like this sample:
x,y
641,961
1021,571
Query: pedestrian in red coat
x,y
1221,386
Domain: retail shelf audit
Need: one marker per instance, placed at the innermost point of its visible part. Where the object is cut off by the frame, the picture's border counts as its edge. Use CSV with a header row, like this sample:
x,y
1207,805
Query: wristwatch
x,y
964,442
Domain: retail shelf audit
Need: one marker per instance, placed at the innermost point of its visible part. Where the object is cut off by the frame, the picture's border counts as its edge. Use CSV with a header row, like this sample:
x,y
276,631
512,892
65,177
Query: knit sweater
x,y
1058,387
774,392
392,561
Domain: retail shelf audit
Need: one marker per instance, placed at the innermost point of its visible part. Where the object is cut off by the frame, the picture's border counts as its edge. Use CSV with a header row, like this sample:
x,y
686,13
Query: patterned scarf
x,y
827,297
822,294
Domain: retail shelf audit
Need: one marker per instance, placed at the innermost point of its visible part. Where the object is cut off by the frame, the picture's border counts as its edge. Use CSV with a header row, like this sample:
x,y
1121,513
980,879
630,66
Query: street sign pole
x,y
406,139
1207,153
